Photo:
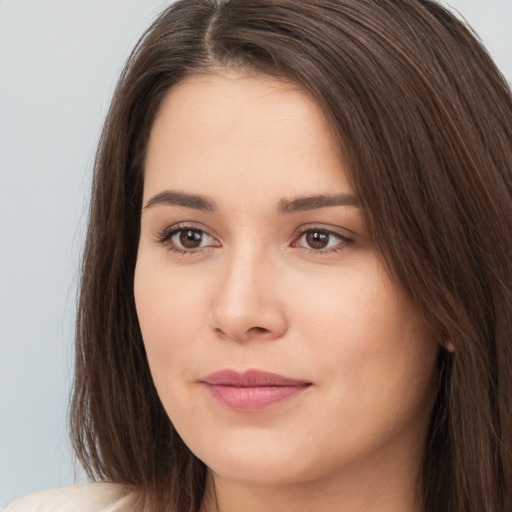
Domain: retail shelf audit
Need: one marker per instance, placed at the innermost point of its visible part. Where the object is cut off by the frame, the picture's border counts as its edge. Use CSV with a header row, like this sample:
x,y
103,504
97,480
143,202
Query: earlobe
x,y
449,347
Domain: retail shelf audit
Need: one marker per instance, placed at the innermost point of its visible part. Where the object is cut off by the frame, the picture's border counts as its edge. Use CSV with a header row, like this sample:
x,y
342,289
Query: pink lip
x,y
252,390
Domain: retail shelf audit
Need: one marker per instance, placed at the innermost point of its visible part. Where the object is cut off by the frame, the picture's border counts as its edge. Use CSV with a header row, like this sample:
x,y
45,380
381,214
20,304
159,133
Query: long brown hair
x,y
424,120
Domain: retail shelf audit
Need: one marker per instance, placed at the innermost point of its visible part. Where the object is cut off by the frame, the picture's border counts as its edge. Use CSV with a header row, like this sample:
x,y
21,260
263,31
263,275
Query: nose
x,y
247,304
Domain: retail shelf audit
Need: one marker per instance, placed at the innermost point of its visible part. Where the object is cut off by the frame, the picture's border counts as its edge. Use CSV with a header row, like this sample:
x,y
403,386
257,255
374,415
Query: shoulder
x,y
92,497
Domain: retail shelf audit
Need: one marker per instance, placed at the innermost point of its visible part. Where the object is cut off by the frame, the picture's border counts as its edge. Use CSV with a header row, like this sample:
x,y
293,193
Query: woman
x,y
296,288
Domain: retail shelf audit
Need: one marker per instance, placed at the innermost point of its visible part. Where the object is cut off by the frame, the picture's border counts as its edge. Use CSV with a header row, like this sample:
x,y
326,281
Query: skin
x,y
250,291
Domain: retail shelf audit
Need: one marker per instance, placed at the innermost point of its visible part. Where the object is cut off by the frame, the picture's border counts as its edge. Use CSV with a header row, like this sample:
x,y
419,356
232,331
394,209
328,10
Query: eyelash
x,y
165,238
343,242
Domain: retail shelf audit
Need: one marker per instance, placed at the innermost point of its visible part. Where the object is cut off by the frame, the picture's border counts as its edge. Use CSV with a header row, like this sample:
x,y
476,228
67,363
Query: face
x,y
279,346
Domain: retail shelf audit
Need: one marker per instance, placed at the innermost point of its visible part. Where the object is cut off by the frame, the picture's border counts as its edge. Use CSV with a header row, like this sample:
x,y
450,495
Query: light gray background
x,y
59,60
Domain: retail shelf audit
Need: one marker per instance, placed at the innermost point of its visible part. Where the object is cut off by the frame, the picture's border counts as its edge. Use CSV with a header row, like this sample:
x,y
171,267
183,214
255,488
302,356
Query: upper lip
x,y
251,378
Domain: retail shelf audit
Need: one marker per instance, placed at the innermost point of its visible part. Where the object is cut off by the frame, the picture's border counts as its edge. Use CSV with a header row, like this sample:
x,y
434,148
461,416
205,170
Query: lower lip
x,y
253,398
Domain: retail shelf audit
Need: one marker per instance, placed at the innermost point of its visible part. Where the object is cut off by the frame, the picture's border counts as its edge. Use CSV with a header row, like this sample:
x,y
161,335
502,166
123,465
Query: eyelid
x,y
164,237
344,240
342,232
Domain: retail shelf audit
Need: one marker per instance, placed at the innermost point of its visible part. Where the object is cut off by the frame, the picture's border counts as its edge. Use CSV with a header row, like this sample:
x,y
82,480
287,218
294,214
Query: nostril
x,y
253,332
257,330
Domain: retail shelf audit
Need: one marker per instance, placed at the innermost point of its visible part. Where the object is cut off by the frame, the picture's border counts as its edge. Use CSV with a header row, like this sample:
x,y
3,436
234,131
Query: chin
x,y
260,461
258,471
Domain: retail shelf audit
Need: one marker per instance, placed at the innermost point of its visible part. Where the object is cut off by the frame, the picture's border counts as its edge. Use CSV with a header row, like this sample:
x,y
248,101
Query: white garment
x,y
92,497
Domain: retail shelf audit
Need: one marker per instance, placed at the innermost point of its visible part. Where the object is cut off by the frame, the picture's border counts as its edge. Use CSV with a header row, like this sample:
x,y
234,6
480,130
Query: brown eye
x,y
190,238
322,241
317,239
187,239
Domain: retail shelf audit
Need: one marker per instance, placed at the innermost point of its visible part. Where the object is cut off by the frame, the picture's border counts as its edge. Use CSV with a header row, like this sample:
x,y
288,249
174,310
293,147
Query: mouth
x,y
253,390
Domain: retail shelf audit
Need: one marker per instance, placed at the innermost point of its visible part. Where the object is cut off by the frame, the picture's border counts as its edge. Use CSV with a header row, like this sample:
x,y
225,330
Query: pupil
x,y
191,239
317,239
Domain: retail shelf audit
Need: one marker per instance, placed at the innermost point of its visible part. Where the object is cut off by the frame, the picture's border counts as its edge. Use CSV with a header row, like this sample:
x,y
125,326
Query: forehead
x,y
249,131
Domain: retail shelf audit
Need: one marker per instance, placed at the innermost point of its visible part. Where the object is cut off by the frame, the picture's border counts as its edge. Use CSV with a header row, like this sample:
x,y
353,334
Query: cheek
x,y
365,334
170,315
355,309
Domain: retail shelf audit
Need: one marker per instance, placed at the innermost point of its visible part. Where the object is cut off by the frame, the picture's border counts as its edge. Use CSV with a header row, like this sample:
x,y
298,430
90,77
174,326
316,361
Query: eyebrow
x,y
284,206
306,203
170,198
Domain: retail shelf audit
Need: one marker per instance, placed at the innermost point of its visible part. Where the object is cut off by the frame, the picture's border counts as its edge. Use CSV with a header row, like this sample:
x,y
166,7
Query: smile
x,y
252,390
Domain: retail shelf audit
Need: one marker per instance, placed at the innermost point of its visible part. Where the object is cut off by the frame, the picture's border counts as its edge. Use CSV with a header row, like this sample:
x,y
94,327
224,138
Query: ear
x,y
449,347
